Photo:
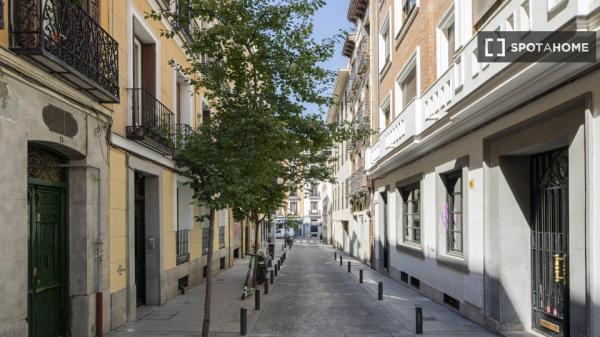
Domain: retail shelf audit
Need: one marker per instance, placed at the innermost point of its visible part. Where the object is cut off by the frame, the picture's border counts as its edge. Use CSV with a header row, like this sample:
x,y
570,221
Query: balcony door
x,y
144,82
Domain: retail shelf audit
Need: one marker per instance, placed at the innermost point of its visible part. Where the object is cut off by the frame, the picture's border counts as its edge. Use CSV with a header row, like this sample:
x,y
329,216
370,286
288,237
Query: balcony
x,y
363,116
465,92
152,124
359,68
65,41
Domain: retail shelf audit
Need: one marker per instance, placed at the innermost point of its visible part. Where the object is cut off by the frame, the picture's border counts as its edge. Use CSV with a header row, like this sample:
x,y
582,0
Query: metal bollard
x,y
341,263
279,264
243,321
349,268
380,291
266,287
335,255
257,299
276,269
418,320
360,276
271,278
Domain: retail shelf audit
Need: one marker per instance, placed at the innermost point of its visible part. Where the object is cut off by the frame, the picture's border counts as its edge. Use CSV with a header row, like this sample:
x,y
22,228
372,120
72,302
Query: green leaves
x,y
258,65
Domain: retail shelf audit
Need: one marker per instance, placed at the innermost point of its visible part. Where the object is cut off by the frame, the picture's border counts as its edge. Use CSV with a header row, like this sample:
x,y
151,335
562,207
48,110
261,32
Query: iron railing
x,y
180,134
363,115
183,248
221,236
151,121
61,37
357,182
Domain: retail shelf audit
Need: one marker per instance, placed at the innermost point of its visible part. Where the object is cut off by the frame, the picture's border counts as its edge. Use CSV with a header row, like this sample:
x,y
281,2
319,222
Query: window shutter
x,y
480,9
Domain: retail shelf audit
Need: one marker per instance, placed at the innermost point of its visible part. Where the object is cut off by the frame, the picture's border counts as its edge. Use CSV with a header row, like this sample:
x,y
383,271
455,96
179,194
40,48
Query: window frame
x,y
386,44
451,180
386,105
405,192
413,62
443,61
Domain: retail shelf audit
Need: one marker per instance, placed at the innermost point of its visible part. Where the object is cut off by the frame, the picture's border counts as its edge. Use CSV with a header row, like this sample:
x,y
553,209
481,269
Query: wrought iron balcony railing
x,y
357,183
151,121
180,134
63,39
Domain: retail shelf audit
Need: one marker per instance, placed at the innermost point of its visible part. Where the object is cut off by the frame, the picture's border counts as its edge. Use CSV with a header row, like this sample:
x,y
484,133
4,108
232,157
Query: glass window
x,y
453,212
411,213
408,86
385,44
293,208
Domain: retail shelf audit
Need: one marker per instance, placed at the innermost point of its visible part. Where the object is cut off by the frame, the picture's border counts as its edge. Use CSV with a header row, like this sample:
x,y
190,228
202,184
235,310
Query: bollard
x,y
418,320
341,263
243,321
380,291
335,255
276,268
282,247
271,278
349,268
360,276
266,287
257,299
279,264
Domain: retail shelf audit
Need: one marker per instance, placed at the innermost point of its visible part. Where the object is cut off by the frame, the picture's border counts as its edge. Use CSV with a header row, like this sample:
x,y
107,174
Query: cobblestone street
x,y
312,296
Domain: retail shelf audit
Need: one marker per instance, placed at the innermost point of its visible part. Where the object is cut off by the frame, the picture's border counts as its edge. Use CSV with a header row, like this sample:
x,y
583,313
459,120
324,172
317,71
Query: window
x,y
223,220
403,9
205,222
445,37
406,84
314,207
92,7
385,116
453,212
293,208
385,44
314,190
184,221
411,213
483,10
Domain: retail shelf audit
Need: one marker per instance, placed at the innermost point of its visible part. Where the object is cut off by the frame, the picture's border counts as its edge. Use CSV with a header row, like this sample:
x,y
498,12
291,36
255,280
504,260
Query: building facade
x,y
98,218
482,176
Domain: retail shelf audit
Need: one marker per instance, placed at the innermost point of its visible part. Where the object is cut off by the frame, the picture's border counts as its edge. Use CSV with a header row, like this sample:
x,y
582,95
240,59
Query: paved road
x,y
314,298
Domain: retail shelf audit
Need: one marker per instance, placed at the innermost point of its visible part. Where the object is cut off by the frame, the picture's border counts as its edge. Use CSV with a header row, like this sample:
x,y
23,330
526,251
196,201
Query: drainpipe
x,y
99,254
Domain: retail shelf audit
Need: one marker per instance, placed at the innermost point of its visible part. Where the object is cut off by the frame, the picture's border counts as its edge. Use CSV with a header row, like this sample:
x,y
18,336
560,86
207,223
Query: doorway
x,y
384,242
48,311
550,242
140,238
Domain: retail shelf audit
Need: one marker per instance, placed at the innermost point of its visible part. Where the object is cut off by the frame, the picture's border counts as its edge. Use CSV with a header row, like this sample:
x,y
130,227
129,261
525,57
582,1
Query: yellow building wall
x,y
118,220
195,238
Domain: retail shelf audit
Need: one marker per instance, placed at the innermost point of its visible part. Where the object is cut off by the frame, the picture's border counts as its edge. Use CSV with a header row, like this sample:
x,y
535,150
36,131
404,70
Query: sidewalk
x,y
400,301
182,316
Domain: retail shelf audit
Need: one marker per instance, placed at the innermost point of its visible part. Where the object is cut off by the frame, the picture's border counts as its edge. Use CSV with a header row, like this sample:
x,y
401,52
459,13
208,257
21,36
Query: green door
x,y
47,295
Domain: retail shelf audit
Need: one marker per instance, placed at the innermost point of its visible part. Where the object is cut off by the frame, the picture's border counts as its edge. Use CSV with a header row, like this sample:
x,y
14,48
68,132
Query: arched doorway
x,y
48,244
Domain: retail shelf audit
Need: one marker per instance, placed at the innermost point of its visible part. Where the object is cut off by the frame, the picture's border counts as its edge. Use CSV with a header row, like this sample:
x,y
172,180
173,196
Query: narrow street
x,y
312,296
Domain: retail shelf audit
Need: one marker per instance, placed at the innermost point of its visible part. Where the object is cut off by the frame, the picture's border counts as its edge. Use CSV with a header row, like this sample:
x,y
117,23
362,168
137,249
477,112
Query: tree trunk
x,y
207,295
256,239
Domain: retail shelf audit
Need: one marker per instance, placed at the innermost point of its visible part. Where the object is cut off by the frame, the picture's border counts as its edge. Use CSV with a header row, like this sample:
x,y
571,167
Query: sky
x,y
328,21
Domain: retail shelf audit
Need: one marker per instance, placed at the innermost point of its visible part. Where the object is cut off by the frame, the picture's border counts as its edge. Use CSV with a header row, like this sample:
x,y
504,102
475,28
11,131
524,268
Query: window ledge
x,y
413,249
404,29
458,263
385,69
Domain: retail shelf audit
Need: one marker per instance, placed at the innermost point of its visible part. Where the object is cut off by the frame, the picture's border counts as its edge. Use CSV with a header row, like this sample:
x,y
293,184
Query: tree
x,y
258,65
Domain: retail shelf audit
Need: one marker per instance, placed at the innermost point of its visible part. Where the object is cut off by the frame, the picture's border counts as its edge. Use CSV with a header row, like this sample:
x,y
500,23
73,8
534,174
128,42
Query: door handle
x,y
560,268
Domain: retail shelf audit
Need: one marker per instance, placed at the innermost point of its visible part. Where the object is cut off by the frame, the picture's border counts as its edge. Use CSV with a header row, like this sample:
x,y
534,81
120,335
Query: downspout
x,y
99,254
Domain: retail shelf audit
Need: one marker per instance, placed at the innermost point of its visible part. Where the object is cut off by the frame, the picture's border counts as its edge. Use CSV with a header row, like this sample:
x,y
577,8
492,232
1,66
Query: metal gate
x,y
550,242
